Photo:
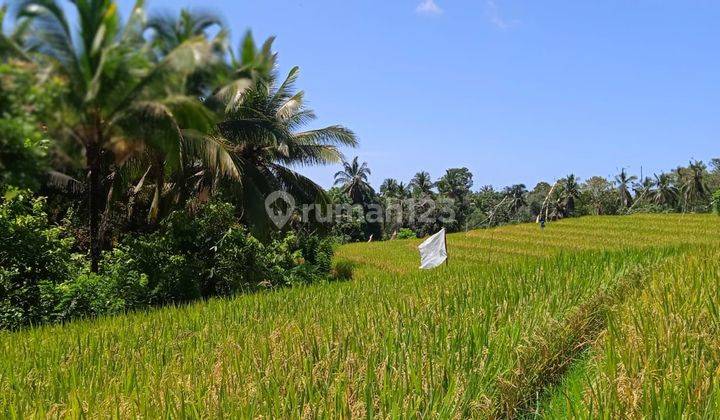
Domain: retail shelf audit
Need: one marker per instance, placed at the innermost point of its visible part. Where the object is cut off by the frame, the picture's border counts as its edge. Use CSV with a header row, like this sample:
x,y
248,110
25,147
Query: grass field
x,y
597,316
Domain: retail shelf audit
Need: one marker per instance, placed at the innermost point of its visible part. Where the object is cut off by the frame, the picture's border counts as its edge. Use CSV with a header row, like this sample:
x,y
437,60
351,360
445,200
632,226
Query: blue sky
x,y
517,91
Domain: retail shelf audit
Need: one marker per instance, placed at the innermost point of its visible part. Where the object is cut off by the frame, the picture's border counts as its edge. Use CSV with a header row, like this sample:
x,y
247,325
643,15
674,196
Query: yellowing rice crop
x,y
598,316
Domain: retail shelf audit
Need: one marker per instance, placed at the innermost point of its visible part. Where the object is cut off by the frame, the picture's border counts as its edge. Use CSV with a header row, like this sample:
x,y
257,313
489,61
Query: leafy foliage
x,y
421,184
34,258
199,253
204,252
455,185
26,99
348,226
261,130
406,233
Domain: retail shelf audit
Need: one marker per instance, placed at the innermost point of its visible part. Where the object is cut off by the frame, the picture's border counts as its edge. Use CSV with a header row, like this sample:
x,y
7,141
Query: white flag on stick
x,y
433,252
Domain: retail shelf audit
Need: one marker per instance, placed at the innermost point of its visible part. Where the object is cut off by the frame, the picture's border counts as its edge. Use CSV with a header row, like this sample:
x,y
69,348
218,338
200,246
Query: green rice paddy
x,y
592,317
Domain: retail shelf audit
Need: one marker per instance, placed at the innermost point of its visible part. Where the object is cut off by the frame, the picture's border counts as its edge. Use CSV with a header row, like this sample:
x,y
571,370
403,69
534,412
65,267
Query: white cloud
x,y
428,7
493,12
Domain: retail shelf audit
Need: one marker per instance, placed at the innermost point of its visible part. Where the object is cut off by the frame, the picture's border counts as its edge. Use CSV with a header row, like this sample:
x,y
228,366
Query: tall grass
x,y
500,331
660,354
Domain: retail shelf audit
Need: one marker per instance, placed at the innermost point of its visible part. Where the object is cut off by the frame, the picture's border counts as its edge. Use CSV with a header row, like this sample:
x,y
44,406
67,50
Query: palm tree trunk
x,y
105,219
94,202
96,198
157,208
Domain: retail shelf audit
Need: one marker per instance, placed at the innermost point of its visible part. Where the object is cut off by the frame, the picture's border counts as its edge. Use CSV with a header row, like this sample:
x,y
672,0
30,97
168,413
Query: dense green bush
x,y
34,258
406,233
194,254
24,99
649,208
240,264
716,202
205,252
348,225
86,294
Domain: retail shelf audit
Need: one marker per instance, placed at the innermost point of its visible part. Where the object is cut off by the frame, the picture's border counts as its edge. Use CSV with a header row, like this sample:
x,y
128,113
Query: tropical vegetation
x,y
684,190
143,272
148,145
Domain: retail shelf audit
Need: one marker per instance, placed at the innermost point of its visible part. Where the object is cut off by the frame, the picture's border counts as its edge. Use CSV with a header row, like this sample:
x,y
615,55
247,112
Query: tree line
x,y
692,188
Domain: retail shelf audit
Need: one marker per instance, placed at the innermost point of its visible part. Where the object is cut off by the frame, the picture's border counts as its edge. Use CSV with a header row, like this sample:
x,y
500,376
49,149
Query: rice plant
x,y
609,316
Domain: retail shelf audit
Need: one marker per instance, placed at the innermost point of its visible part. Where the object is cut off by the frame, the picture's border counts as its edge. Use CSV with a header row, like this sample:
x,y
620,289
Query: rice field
x,y
607,317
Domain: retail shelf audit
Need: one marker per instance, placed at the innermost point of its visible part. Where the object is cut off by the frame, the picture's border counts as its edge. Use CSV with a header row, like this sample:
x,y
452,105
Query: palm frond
x,y
147,124
213,152
11,45
183,60
233,94
311,154
50,33
135,24
189,112
333,135
284,92
64,182
299,186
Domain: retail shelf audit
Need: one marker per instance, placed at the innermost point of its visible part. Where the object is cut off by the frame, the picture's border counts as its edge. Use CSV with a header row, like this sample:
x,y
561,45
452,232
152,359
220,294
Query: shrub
x,y
649,208
129,284
172,277
114,290
343,270
86,295
317,252
179,259
192,255
26,98
241,263
300,258
206,253
34,257
406,233
716,202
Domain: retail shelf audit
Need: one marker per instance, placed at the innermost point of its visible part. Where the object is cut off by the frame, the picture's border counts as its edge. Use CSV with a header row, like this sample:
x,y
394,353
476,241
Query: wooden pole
x,y
447,253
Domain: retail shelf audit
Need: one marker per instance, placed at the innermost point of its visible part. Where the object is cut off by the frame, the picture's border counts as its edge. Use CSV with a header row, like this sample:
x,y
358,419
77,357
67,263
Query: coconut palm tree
x,y
354,181
570,193
643,189
169,30
665,192
456,183
261,130
694,188
391,188
623,181
421,184
486,190
515,195
117,102
404,190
